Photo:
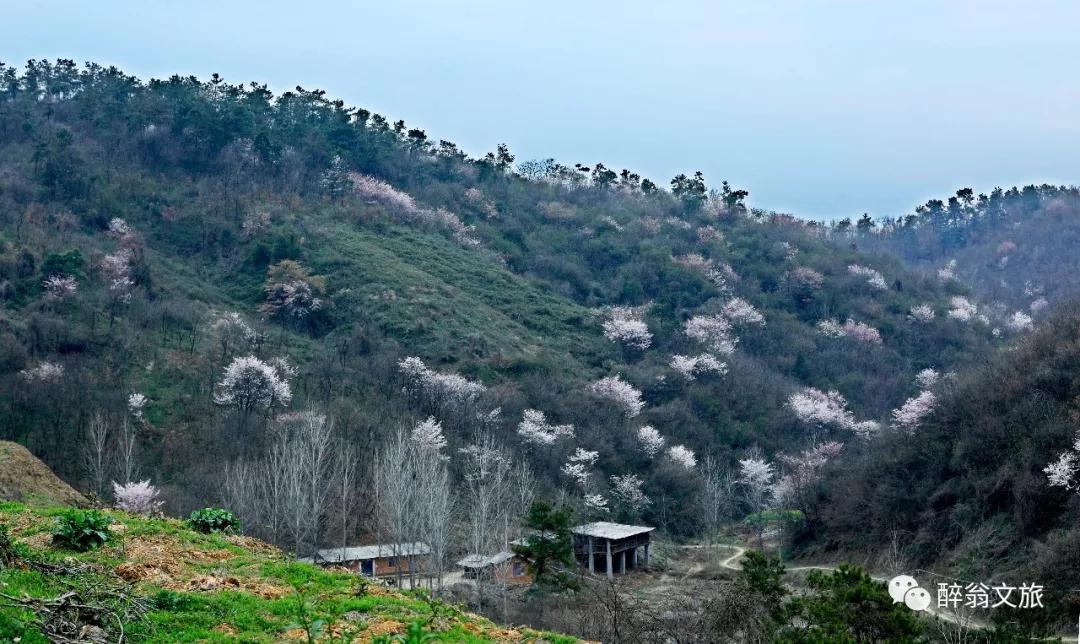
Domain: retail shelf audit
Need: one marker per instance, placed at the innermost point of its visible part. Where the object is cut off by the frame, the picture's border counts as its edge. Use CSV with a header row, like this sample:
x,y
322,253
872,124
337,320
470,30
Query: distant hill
x,y
1014,247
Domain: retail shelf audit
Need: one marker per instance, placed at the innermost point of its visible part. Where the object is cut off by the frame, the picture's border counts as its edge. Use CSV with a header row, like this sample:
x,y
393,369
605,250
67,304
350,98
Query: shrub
x,y
81,530
209,520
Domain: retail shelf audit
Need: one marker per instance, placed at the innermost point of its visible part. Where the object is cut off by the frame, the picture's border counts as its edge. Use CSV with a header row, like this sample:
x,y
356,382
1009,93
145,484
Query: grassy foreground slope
x,y
167,583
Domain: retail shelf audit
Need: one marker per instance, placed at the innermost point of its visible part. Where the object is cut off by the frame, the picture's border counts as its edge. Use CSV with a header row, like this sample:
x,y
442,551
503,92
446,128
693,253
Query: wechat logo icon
x,y
905,590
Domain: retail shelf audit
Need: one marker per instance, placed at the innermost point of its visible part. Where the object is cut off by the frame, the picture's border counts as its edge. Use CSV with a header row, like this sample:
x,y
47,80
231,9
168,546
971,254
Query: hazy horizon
x,y
824,111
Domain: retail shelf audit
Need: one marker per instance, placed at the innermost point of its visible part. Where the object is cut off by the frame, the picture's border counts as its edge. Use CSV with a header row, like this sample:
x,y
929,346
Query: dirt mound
x,y
26,479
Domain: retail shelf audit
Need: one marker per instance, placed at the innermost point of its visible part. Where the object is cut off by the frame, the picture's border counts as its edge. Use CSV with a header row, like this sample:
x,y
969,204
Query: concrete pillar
x,y
622,562
646,555
592,560
610,574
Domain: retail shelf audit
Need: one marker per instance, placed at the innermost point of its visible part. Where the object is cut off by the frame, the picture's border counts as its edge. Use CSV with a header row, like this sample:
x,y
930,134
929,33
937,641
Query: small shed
x,y
378,560
611,547
504,567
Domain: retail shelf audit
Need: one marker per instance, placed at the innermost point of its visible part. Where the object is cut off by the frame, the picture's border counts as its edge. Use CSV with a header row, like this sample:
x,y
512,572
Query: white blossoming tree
x,y
136,405
439,392
690,367
428,435
650,440
535,429
713,331
739,311
873,277
922,313
914,410
138,497
620,392
249,384
628,493
628,332
682,456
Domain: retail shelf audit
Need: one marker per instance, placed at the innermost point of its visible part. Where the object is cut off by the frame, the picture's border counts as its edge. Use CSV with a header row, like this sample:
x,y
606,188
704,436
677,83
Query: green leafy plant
x,y
81,530
209,520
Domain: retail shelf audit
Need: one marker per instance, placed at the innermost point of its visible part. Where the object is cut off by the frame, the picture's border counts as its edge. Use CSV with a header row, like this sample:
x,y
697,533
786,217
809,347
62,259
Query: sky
x,y
821,108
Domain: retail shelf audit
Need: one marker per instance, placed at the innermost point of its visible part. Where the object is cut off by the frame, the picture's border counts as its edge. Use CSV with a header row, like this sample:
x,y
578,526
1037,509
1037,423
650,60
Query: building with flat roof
x,y
611,547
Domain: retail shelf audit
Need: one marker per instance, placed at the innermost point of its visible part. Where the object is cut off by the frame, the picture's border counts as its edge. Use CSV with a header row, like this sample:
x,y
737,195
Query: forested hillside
x,y
1015,247
198,276
985,488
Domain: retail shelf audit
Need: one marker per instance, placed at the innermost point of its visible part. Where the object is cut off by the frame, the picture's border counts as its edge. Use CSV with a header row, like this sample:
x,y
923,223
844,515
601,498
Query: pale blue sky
x,y
821,108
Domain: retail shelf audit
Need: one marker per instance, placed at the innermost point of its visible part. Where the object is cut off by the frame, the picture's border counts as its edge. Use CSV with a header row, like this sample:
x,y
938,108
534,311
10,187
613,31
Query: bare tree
x,y
127,456
487,489
95,452
434,506
395,493
716,497
345,475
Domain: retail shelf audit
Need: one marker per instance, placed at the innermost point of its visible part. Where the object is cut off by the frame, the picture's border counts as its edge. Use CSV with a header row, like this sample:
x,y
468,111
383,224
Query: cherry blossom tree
x,y
427,435
249,384
627,491
948,272
651,440
927,378
861,332
578,466
44,371
873,277
438,391
631,333
816,407
808,277
739,311
233,333
1038,305
714,331
291,291
801,472
117,270
1019,322
921,313
535,429
962,309
756,477
830,328
59,288
136,405
138,497
596,503
690,367
622,393
682,456
914,410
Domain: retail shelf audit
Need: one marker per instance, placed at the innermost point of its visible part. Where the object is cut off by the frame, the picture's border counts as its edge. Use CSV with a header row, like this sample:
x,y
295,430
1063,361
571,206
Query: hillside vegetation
x,y
155,231
156,580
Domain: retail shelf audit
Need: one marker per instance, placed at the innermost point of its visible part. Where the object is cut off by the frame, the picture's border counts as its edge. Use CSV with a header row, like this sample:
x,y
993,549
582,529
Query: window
x,y
390,562
519,569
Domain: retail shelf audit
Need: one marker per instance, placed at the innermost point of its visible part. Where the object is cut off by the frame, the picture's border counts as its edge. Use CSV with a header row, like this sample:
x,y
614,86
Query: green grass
x,y
452,303
262,595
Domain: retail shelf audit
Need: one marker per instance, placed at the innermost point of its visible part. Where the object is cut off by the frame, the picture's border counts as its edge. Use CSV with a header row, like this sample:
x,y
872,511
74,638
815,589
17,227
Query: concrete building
x,y
611,547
